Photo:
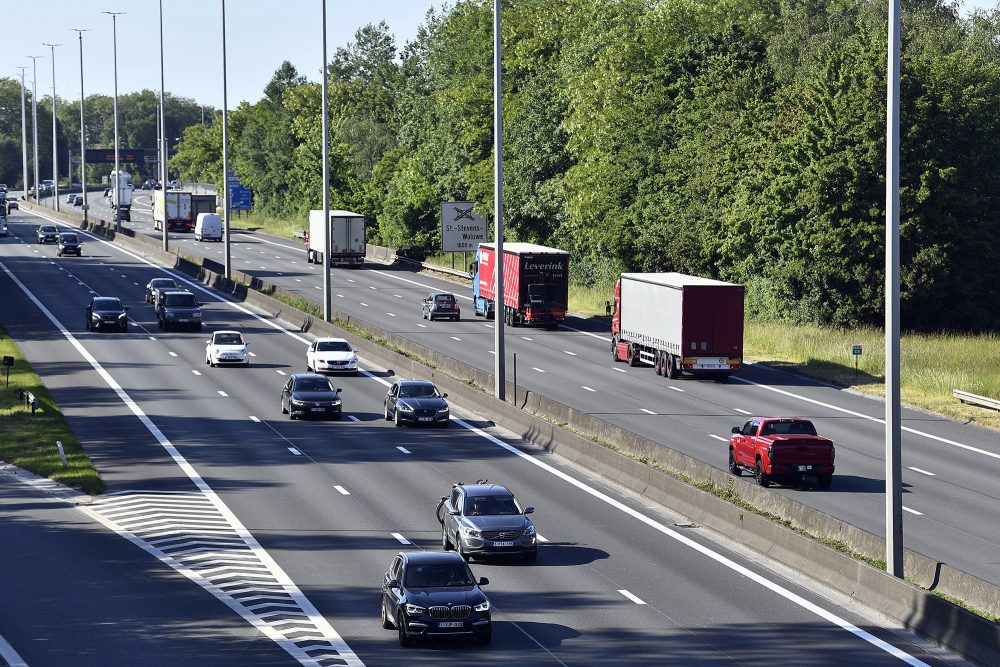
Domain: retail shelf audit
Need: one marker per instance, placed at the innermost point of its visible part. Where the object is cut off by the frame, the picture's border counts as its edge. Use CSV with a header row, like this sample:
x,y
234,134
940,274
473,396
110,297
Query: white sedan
x,y
226,347
331,355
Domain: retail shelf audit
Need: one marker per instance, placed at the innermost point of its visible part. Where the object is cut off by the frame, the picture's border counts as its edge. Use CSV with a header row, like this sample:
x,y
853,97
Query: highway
x,y
949,469
304,517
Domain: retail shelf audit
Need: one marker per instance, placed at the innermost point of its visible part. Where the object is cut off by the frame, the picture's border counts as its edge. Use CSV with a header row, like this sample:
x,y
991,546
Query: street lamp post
x,y
34,120
500,371
225,148
24,139
83,132
116,181
326,181
163,137
55,141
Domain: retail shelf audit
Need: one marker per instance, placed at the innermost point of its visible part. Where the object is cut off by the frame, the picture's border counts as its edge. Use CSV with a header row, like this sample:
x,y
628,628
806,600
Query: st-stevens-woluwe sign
x,y
462,229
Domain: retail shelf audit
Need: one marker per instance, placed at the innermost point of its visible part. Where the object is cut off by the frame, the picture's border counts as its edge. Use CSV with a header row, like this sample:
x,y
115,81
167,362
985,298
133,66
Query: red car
x,y
781,449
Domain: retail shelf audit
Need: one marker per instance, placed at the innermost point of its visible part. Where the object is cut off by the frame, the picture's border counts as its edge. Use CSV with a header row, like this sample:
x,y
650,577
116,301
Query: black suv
x,y
177,309
433,594
48,233
69,244
483,519
107,312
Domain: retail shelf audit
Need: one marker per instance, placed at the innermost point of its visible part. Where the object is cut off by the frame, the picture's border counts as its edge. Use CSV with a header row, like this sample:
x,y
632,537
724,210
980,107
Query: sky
x,y
260,34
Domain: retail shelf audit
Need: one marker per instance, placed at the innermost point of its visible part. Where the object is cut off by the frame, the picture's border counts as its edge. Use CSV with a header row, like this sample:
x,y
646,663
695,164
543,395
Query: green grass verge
x,y
29,441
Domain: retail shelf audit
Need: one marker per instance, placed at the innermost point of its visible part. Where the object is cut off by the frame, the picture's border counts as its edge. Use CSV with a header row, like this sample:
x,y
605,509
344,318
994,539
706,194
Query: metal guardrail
x,y
975,399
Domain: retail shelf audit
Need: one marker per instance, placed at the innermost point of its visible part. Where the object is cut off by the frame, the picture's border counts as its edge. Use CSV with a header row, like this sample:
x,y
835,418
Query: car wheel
x,y
87,325
246,364
308,367
396,420
733,468
283,410
430,317
446,424
386,622
404,636
461,550
197,328
445,540
386,408
485,638
124,328
762,479
531,556
457,318
824,481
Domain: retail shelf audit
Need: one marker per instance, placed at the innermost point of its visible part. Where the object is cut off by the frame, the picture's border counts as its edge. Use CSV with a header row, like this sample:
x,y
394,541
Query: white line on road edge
x,y
9,655
402,540
705,551
922,471
295,451
342,490
403,449
630,596
907,509
329,634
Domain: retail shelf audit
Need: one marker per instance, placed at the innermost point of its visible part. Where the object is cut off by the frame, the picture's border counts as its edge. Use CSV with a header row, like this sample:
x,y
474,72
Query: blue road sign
x,y
239,198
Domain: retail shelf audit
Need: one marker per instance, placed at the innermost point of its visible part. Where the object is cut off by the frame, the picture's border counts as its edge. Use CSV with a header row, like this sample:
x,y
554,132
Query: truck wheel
x,y
614,349
657,363
762,478
733,468
824,481
630,355
670,369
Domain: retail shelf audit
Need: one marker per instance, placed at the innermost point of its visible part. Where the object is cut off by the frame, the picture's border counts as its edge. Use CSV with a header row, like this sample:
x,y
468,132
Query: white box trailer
x,y
173,210
347,238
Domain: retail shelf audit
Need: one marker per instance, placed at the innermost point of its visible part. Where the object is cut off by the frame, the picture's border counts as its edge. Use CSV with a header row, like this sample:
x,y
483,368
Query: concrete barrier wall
x,y
539,420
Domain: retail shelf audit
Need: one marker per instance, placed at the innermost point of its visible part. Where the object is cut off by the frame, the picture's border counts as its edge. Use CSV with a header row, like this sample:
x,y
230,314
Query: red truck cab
x,y
781,448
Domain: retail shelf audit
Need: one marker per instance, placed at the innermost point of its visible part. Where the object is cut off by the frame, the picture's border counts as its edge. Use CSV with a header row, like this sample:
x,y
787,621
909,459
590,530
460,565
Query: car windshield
x,y
228,339
180,300
444,298
69,238
107,303
333,346
418,391
312,384
438,575
162,282
788,428
490,505
47,229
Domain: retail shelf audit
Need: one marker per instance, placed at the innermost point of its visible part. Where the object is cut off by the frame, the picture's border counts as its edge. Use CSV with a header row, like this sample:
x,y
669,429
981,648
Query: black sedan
x,y
164,284
69,244
441,304
416,402
433,594
310,395
107,312
47,234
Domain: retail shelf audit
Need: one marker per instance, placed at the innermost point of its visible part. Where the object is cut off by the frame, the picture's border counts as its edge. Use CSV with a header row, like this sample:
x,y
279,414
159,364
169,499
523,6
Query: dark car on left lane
x,y
107,312
69,244
47,234
310,395
432,595
416,402
157,284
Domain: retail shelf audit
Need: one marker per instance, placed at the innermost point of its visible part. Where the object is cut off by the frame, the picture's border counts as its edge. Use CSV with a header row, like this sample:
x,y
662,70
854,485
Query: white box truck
x,y
120,192
173,209
347,238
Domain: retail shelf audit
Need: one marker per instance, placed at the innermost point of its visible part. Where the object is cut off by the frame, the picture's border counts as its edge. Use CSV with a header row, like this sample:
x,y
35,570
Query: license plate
x,y
317,409
183,319
805,468
450,624
503,544
426,419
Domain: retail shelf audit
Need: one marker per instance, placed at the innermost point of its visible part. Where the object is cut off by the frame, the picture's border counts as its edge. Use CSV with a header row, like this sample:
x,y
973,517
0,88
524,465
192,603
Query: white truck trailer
x,y
347,238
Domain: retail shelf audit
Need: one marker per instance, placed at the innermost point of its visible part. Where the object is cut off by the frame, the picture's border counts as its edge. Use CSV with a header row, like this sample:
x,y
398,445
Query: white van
x,y
208,226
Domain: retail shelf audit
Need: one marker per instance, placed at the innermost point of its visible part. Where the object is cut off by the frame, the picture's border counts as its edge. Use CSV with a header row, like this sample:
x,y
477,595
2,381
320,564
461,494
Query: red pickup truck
x,y
781,448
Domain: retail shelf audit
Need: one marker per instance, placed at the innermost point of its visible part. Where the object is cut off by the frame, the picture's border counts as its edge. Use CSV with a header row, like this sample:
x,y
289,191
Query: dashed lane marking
x,y
403,449
353,418
196,372
540,370
342,490
620,370
583,386
255,419
742,412
295,451
907,509
172,354
223,394
648,412
572,354
922,471
401,539
718,437
631,597
676,389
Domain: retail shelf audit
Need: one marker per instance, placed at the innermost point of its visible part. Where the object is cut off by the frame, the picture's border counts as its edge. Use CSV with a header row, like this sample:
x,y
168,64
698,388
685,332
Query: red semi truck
x,y
535,283
678,324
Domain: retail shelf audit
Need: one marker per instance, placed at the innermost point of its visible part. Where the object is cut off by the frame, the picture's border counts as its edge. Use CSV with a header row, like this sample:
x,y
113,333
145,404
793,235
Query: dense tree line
x,y
738,139
137,116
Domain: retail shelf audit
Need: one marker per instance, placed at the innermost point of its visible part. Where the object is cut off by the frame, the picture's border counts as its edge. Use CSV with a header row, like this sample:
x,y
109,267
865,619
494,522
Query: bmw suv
x,y
484,519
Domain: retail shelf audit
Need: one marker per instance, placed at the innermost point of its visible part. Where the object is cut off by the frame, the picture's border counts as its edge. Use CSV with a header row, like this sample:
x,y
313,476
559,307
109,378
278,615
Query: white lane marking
x,y
262,267
403,449
398,296
260,240
196,372
487,325
172,354
585,333
572,354
922,471
718,437
493,352
914,431
676,389
702,549
907,509
295,451
298,280
350,280
630,596
742,412
255,419
620,370
342,490
9,655
456,338
136,284
294,262
328,634
422,326
353,418
371,287
583,386
363,304
541,538
391,314
401,539
648,412
537,369
263,252
526,338
280,372
252,354
223,394
317,287
341,296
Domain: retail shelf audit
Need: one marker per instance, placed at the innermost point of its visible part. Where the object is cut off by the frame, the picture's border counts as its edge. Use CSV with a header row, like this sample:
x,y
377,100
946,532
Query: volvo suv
x,y
484,519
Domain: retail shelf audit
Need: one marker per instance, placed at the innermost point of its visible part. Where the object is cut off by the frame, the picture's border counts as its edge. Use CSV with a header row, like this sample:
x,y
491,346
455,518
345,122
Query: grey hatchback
x,y
441,304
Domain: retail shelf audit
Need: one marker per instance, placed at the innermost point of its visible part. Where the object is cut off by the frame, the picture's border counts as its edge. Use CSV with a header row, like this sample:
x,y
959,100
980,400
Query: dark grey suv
x,y
484,519
178,309
69,244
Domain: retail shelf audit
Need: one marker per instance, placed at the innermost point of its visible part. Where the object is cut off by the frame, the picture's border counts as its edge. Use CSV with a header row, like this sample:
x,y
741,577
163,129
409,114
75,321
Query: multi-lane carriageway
x,y
300,519
950,469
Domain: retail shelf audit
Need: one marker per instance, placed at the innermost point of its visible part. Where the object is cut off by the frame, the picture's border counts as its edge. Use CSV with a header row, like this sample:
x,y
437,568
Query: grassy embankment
x,y
29,441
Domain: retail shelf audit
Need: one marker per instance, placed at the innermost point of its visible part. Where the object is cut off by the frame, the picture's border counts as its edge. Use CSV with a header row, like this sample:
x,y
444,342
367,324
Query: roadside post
x,y
856,351
7,363
62,454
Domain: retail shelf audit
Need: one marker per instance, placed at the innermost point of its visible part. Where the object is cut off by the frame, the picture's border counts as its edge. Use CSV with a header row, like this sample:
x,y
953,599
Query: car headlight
x,y
414,609
443,411
196,315
403,407
171,316
470,532
297,402
530,530
122,316
336,401
95,316
482,606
